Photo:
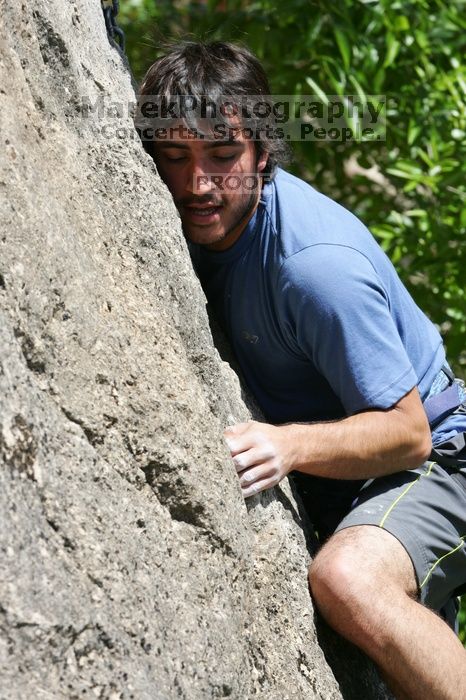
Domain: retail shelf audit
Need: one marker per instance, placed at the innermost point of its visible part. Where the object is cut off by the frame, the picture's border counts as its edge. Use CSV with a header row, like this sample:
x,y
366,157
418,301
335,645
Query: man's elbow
x,y
413,424
421,444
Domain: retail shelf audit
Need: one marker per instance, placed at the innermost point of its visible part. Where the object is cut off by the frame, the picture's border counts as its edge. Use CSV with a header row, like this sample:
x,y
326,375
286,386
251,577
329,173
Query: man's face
x,y
198,172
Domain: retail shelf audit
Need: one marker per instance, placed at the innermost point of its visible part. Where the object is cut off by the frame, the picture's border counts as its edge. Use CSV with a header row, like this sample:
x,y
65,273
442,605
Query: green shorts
x,y
425,509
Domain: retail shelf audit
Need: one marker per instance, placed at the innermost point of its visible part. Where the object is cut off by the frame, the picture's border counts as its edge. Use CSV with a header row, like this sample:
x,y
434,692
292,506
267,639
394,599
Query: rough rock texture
x,y
130,565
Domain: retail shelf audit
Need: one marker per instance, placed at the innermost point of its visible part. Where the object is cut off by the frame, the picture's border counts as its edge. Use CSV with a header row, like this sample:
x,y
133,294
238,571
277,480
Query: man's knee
x,y
358,565
335,578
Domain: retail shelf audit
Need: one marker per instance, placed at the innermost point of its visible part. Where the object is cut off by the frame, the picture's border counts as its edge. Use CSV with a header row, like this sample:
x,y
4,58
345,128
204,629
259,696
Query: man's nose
x,y
199,179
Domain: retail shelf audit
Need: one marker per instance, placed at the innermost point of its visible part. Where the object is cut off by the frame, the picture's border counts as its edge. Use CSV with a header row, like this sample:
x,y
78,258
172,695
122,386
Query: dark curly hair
x,y
212,71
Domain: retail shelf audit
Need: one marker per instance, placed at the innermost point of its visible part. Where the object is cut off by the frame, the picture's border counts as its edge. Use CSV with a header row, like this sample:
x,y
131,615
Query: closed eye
x,y
174,159
230,157
223,152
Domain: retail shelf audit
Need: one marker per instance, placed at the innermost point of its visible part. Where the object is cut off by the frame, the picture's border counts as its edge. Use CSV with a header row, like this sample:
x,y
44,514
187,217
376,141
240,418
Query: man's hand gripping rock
x,y
262,454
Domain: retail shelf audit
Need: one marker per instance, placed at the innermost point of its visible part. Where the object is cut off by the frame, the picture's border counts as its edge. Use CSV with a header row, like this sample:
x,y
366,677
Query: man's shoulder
x,y
304,217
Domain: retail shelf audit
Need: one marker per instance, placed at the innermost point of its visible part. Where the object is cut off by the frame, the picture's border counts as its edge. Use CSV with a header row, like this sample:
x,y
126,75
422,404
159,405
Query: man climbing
x,y
349,373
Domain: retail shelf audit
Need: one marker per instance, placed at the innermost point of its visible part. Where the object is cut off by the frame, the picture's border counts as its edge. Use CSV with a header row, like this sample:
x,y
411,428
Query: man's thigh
x,y
425,510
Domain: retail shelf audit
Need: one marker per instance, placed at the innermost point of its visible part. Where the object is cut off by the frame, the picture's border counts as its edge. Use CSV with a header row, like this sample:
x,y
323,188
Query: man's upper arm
x,y
343,323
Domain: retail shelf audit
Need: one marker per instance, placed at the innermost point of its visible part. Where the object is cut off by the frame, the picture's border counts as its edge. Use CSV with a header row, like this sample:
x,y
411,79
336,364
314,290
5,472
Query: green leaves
x,y
393,46
344,46
317,90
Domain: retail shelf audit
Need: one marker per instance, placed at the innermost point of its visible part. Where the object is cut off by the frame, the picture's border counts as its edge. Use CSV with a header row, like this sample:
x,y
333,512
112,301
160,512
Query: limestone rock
x,y
130,564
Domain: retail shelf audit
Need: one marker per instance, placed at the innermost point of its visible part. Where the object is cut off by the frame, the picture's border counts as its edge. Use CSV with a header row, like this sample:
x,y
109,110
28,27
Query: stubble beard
x,y
244,215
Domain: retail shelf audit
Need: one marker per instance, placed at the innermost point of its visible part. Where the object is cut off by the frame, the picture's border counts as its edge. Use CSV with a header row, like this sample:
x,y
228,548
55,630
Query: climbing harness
x,y
116,35
450,400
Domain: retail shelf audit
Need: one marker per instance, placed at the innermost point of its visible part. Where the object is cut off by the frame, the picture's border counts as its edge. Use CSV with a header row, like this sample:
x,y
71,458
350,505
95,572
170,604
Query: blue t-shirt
x,y
318,318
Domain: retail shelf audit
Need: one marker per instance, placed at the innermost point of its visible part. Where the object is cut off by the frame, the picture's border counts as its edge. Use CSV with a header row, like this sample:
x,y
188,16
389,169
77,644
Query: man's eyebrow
x,y
223,142
171,144
208,144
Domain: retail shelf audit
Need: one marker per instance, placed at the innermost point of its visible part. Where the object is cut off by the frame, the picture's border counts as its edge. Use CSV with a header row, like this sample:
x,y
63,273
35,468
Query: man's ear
x,y
262,161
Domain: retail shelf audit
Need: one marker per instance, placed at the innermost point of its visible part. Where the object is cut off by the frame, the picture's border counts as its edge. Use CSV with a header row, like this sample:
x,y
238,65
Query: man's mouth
x,y
202,213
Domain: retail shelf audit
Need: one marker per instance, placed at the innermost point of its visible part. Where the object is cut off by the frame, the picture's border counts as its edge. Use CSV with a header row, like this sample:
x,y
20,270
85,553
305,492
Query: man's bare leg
x,y
364,585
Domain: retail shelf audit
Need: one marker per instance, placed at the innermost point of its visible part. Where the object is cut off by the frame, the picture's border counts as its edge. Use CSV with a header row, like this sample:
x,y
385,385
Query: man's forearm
x,y
362,446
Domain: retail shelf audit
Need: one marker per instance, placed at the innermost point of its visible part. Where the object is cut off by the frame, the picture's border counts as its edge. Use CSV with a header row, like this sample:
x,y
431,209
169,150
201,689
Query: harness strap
x,y
439,406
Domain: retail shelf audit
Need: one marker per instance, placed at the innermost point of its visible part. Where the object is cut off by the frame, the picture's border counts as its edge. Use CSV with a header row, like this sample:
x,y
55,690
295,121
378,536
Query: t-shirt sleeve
x,y
338,312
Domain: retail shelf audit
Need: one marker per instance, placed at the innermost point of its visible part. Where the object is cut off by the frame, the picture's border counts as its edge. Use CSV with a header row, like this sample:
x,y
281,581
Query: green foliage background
x,y
410,188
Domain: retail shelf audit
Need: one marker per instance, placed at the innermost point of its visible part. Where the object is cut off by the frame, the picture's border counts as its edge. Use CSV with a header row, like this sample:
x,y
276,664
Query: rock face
x,y
130,565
